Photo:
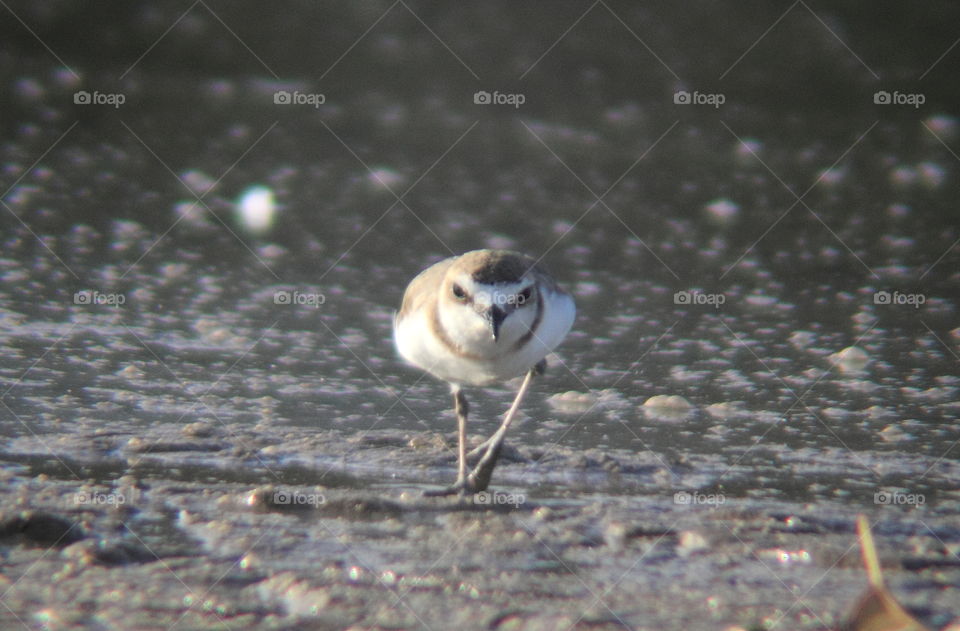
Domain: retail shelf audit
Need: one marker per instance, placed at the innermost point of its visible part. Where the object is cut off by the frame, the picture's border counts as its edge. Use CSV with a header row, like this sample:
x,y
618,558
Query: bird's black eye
x,y
525,295
458,292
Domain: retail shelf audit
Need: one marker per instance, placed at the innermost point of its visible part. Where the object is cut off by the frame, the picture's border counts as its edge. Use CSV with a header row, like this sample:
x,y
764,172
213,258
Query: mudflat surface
x,y
205,424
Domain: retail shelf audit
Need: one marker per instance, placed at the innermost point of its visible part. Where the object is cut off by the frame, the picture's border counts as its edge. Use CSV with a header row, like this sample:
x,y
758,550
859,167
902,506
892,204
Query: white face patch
x,y
506,296
468,314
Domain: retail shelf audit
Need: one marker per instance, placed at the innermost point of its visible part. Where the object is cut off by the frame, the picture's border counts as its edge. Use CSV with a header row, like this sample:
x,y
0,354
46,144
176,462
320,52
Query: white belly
x,y
501,361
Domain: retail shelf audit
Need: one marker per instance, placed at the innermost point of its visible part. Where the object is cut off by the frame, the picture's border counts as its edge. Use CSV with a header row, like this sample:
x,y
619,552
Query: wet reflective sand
x,y
206,425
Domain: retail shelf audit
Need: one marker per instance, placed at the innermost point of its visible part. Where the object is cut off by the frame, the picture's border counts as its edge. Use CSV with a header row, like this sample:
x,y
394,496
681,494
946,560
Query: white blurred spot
x,y
878,412
748,149
943,126
760,300
572,402
671,401
832,176
895,242
192,214
893,434
271,251
850,359
500,242
584,289
931,175
29,89
722,210
785,556
726,410
690,541
667,407
66,79
256,209
198,182
903,176
384,178
802,339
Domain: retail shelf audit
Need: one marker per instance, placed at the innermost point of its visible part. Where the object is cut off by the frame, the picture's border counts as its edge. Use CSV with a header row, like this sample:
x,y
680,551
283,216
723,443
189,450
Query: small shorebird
x,y
480,318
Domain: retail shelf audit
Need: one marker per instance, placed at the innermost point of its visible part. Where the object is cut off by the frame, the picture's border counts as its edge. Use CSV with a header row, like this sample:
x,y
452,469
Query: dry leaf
x,y
877,609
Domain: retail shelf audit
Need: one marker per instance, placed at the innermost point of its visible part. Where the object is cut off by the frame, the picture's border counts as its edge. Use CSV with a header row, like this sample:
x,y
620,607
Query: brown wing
x,y
422,289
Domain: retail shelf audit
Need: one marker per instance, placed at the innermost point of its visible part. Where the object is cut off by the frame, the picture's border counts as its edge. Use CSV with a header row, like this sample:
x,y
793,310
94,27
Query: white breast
x,y
417,344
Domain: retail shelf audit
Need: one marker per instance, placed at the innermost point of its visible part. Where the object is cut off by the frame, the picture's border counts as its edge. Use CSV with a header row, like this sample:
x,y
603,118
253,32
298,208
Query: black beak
x,y
495,317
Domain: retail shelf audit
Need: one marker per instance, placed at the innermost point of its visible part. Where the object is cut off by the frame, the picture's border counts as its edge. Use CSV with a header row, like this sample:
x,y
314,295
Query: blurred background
x,y
210,211
193,160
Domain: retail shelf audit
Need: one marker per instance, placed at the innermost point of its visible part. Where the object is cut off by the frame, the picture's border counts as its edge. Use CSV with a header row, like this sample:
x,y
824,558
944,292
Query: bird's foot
x,y
462,487
476,482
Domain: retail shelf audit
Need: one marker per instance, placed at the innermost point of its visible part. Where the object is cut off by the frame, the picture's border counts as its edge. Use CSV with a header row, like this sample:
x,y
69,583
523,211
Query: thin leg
x,y
538,370
462,409
479,478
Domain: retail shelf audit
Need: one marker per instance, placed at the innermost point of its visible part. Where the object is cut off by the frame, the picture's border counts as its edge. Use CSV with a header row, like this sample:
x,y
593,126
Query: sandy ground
x,y
136,547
